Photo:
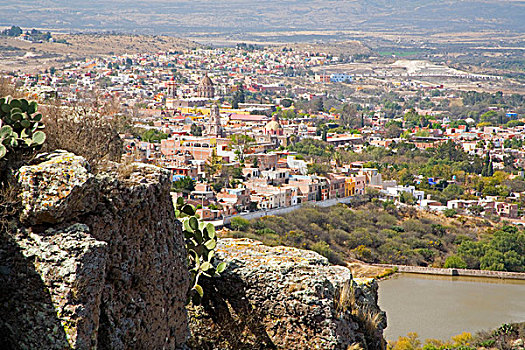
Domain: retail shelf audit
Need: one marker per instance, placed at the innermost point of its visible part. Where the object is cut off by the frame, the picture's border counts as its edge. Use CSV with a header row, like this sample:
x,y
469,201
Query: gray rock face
x,y
73,264
99,263
285,298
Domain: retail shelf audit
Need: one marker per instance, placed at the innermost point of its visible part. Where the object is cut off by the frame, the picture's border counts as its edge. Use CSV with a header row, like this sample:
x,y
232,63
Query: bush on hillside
x,y
455,262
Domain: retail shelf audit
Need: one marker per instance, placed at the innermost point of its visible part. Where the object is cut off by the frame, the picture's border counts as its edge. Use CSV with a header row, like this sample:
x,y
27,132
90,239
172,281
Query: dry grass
x,y
7,88
125,169
9,207
369,320
362,270
83,131
355,347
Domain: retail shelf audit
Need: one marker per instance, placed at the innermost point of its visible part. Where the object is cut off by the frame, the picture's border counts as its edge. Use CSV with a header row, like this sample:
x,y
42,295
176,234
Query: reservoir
x,y
443,306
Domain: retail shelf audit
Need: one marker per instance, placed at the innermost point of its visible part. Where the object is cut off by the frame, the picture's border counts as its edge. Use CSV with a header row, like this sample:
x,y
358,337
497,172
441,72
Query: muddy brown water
x,y
443,306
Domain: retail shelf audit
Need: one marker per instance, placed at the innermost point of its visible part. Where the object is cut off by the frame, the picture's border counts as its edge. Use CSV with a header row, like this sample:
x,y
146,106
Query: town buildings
x,y
241,159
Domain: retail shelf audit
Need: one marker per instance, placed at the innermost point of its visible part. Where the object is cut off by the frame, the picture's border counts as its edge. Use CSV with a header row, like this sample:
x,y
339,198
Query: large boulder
x,y
98,262
57,189
284,298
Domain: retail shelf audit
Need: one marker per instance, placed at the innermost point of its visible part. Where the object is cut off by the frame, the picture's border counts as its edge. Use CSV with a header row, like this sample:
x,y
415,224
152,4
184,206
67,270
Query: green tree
x,y
312,147
489,117
213,165
241,143
239,224
476,210
407,198
238,97
196,130
318,168
453,191
286,102
154,136
13,31
455,262
449,213
184,185
493,260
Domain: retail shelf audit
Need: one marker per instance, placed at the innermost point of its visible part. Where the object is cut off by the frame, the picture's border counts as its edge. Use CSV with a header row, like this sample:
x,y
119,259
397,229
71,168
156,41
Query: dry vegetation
x,y
345,300
30,57
370,232
83,131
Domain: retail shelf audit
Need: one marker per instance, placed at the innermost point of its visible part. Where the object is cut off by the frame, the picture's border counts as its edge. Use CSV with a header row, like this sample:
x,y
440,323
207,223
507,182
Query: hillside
x,y
17,54
380,233
237,16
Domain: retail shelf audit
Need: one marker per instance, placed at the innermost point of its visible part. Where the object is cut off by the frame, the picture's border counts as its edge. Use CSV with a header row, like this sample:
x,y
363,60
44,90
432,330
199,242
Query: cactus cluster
x,y
201,242
20,126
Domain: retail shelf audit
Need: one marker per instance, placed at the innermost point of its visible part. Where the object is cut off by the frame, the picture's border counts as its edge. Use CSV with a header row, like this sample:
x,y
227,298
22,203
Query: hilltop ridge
x,y
234,16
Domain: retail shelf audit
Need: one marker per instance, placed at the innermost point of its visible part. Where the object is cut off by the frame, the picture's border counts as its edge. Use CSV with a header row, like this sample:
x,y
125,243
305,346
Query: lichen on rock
x,y
284,298
97,262
55,189
72,266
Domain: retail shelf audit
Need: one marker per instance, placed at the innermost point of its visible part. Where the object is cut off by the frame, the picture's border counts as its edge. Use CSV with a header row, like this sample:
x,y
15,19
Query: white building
x,y
395,191
297,164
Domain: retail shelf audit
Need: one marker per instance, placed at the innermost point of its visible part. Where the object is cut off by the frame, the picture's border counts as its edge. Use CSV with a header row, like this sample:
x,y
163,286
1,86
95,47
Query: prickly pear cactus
x,y
20,126
201,242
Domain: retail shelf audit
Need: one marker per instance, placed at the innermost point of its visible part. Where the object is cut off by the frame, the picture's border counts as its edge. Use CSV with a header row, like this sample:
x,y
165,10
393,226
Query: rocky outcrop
x,y
284,298
98,262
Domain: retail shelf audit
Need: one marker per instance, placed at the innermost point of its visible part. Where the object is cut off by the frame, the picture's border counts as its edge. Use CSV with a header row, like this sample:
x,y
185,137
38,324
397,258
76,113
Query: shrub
x,y
83,131
324,249
455,262
408,198
265,231
410,342
239,224
462,339
450,213
363,253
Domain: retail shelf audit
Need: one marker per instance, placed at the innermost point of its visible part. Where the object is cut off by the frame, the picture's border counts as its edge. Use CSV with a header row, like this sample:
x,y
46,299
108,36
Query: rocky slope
x,y
98,263
285,298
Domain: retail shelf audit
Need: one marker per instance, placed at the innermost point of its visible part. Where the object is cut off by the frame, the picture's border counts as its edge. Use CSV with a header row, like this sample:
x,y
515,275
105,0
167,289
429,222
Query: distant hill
x,y
30,57
242,16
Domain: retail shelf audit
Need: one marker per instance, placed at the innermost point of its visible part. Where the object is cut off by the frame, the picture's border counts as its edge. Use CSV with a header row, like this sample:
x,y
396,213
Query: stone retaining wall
x,y
456,272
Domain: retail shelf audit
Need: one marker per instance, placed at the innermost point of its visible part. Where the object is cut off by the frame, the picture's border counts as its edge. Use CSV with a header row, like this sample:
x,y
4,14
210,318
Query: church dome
x,y
273,125
206,81
205,88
